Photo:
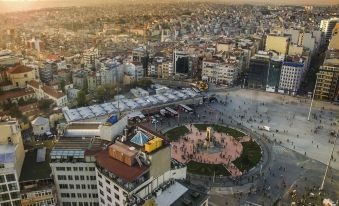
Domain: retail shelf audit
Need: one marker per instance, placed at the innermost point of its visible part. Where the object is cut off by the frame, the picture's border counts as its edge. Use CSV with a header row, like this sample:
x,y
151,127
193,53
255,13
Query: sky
x,y
16,5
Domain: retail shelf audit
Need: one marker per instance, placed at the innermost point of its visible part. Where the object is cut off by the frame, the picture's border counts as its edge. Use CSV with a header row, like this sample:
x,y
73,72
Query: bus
x,y
172,112
186,108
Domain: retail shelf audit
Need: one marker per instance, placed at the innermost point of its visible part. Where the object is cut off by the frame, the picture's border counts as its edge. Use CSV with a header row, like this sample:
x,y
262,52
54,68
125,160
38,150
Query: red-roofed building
x,y
48,92
20,75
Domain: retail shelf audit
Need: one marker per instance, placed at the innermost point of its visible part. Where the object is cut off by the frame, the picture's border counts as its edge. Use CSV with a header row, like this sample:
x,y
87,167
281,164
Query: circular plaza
x,y
214,150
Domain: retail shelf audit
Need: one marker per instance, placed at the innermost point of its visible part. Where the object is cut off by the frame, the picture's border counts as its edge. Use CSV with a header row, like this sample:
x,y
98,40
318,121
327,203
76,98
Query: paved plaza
x,y
287,118
185,149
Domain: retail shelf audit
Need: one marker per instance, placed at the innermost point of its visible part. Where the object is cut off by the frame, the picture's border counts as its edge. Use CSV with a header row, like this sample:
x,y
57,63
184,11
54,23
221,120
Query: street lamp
x,y
329,162
315,87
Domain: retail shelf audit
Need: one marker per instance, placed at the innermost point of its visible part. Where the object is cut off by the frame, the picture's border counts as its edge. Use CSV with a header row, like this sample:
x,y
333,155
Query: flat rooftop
x,y
33,170
171,194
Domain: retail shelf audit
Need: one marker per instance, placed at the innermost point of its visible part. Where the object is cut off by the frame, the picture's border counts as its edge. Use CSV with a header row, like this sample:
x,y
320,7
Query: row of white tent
x,y
124,104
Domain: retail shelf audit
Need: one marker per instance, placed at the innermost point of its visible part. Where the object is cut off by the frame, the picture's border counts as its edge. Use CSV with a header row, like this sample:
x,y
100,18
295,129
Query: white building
x,y
220,72
48,92
292,74
90,56
126,175
73,168
40,126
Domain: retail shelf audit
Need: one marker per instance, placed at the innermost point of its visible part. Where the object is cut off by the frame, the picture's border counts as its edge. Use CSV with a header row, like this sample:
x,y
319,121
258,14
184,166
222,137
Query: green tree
x,y
62,85
81,98
21,101
45,104
100,93
144,83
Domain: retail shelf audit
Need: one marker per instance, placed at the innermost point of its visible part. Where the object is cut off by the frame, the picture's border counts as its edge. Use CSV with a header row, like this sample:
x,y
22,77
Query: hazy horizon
x,y
24,5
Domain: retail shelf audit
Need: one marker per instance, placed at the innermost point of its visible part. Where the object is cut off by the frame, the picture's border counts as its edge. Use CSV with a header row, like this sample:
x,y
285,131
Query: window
x,y
108,190
70,177
101,192
15,195
107,181
79,195
74,204
109,198
63,186
99,175
93,187
76,177
95,195
102,201
93,178
12,186
4,197
69,168
83,187
82,177
75,168
60,168
116,196
2,179
65,195
84,195
100,184
91,168
116,188
81,169
62,177
71,186
73,195
10,177
77,186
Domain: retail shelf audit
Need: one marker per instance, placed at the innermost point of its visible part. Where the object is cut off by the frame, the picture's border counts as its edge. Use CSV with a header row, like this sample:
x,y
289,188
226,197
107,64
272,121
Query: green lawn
x,y
250,156
206,169
219,128
176,133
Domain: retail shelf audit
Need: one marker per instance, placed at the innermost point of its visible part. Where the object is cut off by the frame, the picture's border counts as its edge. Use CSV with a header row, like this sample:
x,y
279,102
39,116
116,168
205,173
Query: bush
x,y
176,133
207,169
250,156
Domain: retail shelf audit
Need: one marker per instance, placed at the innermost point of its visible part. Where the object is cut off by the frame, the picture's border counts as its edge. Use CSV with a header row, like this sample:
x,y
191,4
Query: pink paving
x,y
184,149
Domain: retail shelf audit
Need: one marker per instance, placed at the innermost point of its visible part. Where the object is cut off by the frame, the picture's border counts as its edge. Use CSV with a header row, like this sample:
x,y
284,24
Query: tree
x,y
21,101
100,93
81,98
62,85
144,83
45,104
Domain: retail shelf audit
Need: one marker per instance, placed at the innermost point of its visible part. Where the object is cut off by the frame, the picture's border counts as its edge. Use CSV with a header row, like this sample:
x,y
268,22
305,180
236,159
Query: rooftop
x,y
120,169
18,69
15,94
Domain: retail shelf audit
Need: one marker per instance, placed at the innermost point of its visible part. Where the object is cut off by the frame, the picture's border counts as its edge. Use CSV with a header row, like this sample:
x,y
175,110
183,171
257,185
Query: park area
x,y
211,149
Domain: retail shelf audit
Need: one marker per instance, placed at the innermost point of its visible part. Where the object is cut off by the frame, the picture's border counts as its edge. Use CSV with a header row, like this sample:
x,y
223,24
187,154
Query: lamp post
x,y
329,162
315,87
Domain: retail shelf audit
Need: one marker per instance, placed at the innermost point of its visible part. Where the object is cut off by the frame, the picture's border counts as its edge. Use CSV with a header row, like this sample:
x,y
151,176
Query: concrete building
x,y
40,126
327,87
48,92
47,71
277,43
12,156
38,192
334,42
134,167
292,73
167,69
181,62
20,75
327,26
73,169
264,71
90,56
219,71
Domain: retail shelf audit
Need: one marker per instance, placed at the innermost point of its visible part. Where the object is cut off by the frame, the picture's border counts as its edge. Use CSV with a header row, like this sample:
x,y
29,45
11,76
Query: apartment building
x,y
277,43
73,169
327,87
327,26
134,167
220,72
11,160
292,73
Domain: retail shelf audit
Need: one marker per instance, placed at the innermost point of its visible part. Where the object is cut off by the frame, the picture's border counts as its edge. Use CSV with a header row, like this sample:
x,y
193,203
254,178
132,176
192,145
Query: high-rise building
x,y
264,71
12,156
292,73
73,168
181,62
133,168
327,26
90,56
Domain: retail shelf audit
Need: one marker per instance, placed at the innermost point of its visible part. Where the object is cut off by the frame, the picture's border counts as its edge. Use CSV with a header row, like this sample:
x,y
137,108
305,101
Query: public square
x,y
291,135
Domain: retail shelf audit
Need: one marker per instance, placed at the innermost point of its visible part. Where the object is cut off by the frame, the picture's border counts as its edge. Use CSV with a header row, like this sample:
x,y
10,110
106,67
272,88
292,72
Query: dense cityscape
x,y
174,103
